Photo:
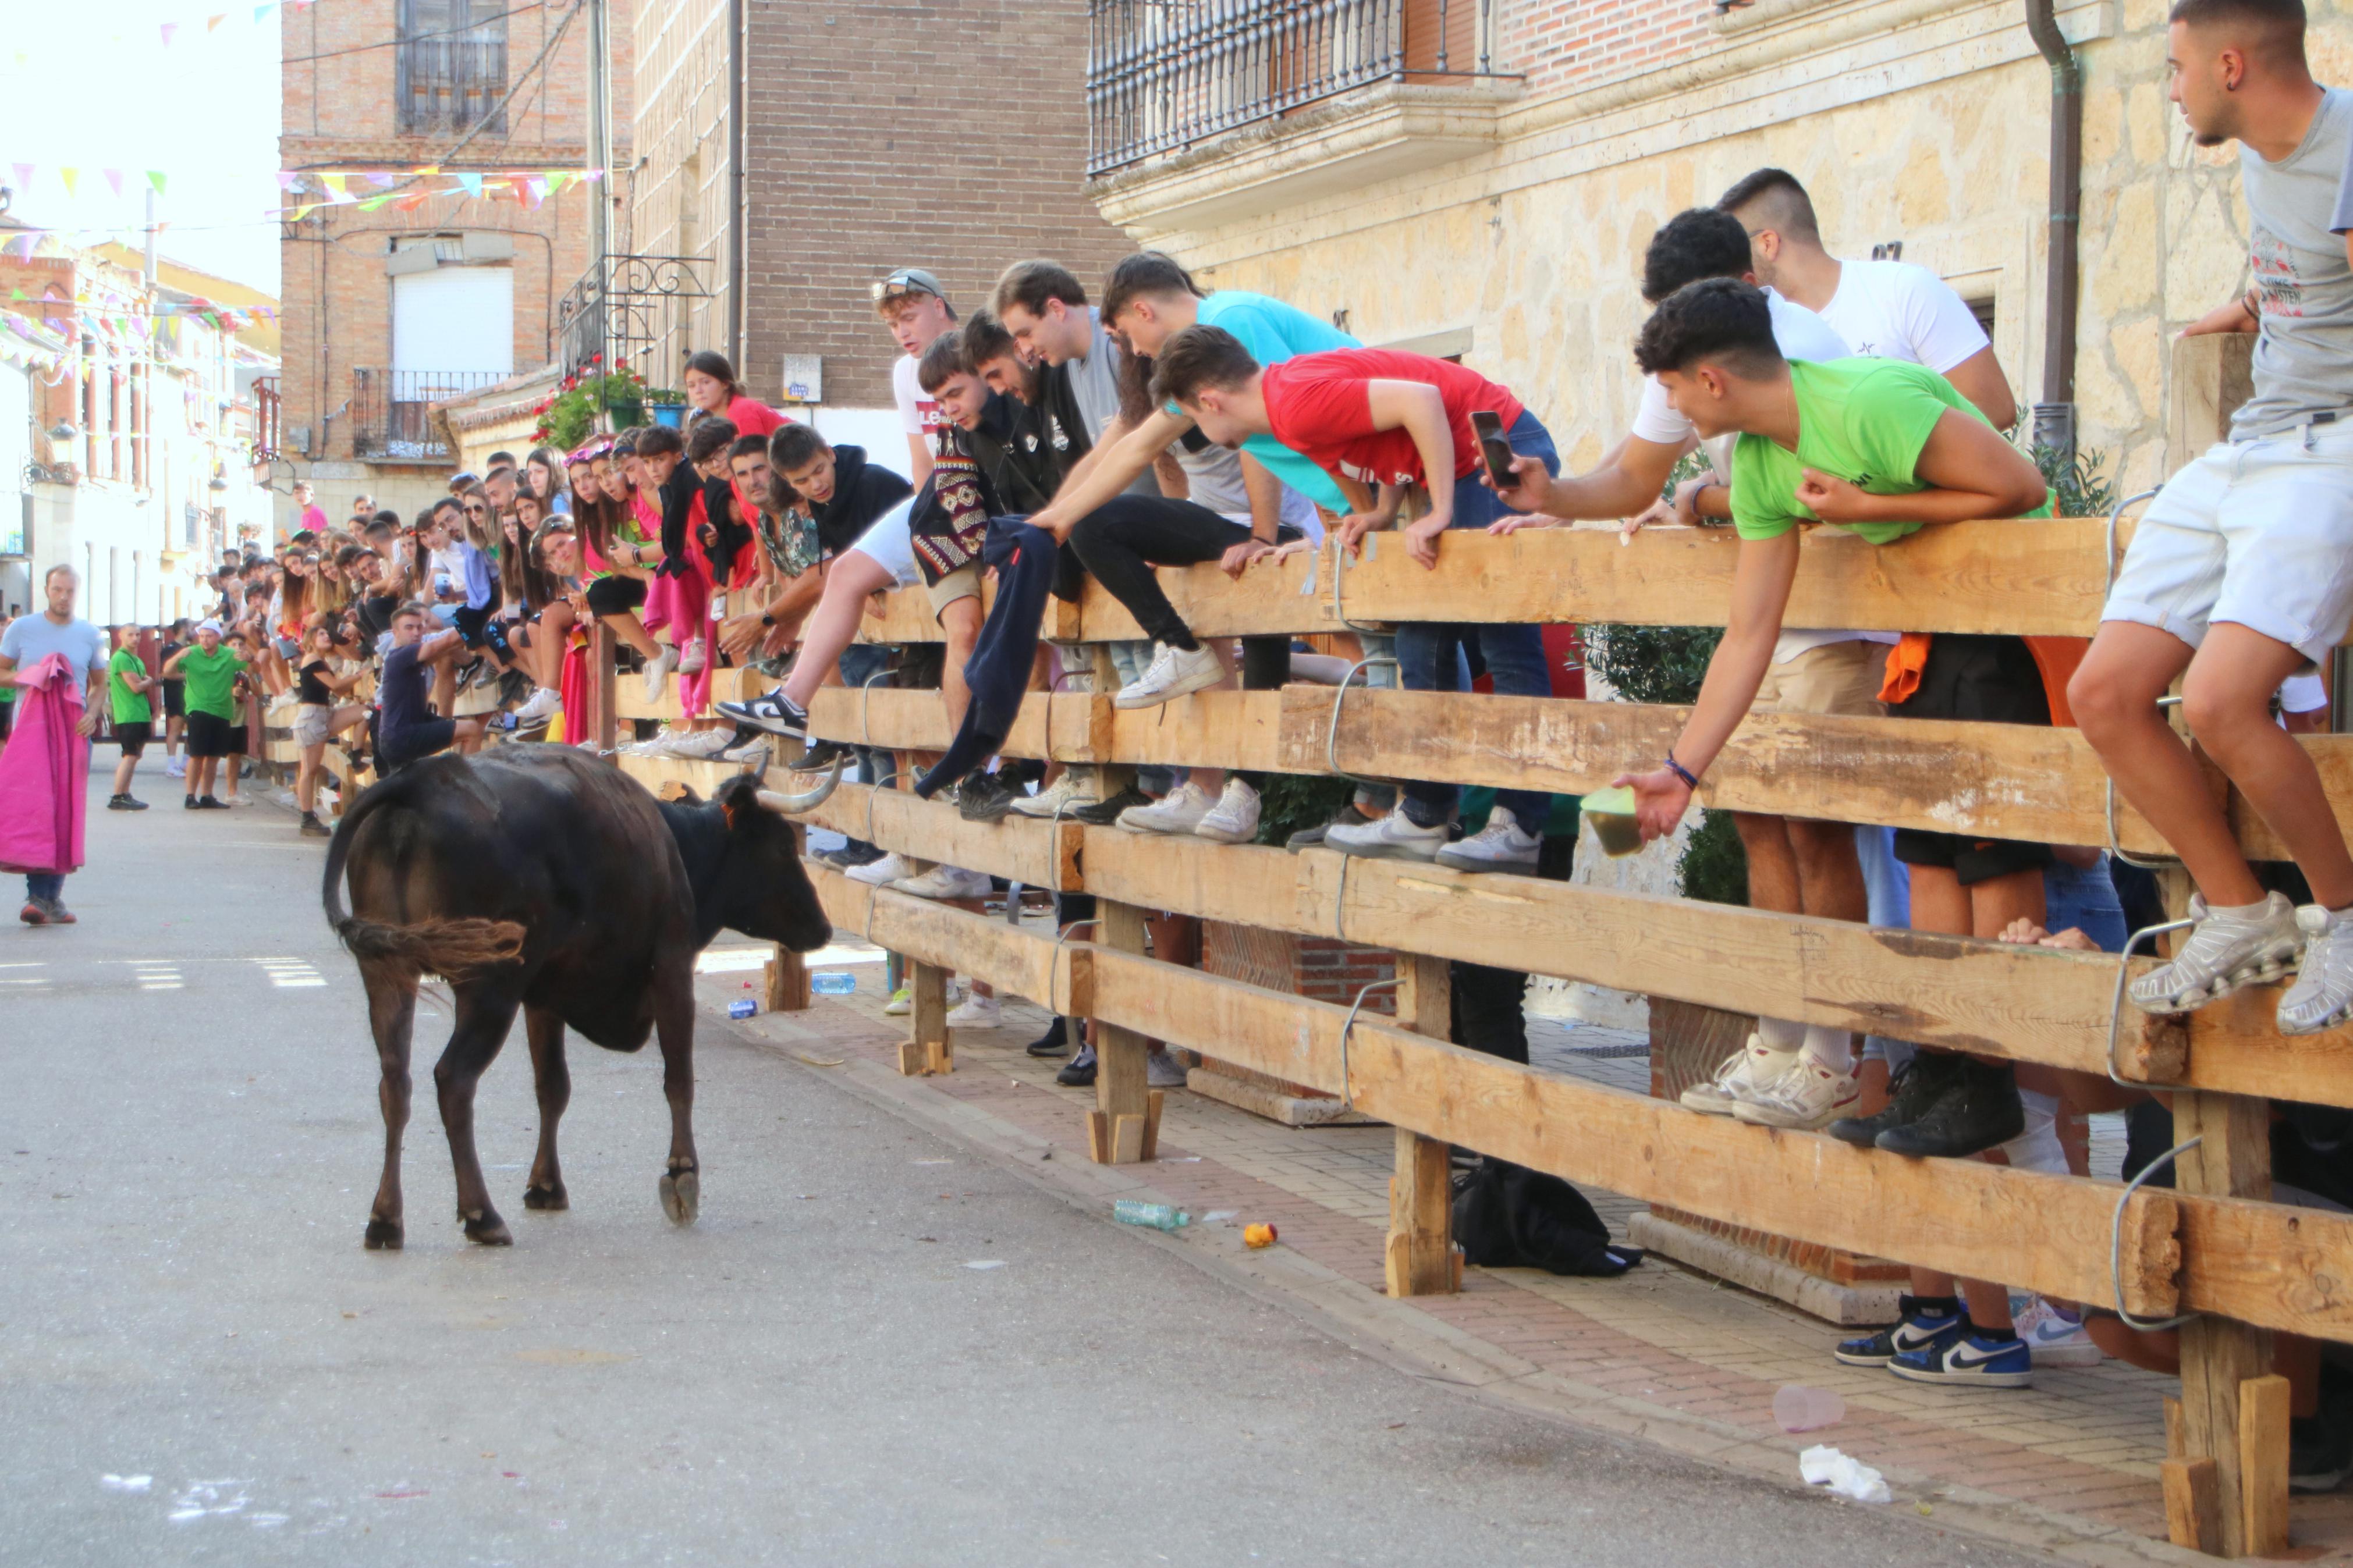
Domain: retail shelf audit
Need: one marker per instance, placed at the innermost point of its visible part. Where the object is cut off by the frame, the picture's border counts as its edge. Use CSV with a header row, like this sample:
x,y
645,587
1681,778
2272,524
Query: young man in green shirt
x,y
127,684
210,670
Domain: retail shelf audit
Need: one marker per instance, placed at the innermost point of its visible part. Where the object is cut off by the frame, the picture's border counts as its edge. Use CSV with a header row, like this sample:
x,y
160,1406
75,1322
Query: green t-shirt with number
x,y
212,681
1861,420
130,707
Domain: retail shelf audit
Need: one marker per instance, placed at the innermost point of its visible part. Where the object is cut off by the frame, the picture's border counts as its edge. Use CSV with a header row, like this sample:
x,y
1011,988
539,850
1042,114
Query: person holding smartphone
x,y
1400,424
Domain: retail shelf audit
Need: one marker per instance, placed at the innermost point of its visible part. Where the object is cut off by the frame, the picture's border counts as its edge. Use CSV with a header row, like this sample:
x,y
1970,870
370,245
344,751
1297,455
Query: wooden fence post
x,y
1421,1259
788,982
1125,1126
2219,1358
602,724
932,1049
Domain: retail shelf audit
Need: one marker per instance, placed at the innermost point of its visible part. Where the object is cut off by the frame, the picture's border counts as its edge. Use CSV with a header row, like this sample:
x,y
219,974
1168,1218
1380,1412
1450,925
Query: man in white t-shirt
x,y
1884,310
1789,1074
915,308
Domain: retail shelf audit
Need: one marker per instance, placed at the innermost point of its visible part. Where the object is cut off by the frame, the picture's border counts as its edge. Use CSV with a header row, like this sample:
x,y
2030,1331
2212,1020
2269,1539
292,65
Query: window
x,y
451,65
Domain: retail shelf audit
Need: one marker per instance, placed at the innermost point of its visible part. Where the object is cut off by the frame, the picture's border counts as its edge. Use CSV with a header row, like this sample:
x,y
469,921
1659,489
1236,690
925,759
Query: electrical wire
x,y
412,38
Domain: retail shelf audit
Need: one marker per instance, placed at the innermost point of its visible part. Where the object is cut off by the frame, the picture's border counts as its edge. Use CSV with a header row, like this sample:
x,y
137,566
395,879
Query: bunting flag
x,y
155,178
70,176
529,187
23,177
114,179
169,28
213,21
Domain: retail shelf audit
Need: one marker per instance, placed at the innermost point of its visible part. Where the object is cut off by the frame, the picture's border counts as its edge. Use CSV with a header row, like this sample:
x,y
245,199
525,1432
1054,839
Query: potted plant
x,y
572,411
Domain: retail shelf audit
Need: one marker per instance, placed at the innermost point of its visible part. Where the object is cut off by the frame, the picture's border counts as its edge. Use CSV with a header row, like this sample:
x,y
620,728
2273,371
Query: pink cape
x,y
45,774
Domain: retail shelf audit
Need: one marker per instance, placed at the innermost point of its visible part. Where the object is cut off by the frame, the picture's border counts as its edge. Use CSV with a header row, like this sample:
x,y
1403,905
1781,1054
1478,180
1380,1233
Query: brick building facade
x,y
395,297
881,133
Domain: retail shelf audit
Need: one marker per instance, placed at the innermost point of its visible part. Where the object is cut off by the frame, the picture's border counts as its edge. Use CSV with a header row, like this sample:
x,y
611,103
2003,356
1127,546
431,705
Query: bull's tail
x,y
452,949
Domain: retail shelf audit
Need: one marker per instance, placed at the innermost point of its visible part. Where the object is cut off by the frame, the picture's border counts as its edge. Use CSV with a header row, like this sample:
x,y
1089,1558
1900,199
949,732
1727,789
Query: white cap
x,y
209,624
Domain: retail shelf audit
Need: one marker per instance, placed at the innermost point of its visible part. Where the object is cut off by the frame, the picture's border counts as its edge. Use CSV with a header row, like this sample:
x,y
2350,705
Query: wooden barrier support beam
x,y
1016,962
1019,848
1419,1259
2193,1505
2263,1464
2219,1358
787,981
603,679
1122,1124
932,1046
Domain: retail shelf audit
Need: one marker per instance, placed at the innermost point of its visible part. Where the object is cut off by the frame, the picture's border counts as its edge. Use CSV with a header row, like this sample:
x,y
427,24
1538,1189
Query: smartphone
x,y
1488,427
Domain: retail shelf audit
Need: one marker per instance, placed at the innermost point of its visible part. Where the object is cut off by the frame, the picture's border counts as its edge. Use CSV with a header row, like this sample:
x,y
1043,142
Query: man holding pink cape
x,y
57,661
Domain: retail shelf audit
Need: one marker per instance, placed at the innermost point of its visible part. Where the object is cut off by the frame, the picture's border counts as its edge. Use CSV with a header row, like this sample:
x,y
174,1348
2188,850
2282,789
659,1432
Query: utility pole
x,y
151,238
600,149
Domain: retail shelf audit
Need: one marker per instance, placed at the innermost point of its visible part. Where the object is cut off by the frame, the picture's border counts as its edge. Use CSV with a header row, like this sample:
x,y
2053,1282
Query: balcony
x,y
391,409
1202,111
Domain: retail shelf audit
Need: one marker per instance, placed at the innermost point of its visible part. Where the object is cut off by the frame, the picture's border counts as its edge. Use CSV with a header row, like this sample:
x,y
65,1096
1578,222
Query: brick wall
x,y
906,132
342,112
1561,45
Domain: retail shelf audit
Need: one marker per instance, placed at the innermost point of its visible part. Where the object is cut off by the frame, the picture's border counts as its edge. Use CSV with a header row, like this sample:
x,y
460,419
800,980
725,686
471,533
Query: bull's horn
x,y
794,804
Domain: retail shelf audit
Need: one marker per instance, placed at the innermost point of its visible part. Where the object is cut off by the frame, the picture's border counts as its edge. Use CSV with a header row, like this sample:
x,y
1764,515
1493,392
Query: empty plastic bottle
x,y
833,983
1160,1216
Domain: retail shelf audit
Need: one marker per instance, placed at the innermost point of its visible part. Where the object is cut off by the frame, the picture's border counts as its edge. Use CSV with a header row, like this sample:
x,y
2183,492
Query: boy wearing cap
x,y
209,671
915,308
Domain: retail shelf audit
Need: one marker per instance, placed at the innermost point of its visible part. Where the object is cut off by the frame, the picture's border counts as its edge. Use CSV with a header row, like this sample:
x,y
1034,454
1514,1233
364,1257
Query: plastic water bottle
x,y
1160,1216
833,983
743,1009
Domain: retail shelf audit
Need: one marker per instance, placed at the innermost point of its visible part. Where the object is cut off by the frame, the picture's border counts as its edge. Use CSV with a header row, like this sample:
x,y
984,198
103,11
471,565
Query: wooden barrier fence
x,y
2215,1246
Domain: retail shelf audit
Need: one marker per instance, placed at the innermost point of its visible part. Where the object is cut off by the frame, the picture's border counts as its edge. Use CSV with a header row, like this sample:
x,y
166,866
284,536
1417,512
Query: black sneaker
x,y
983,797
819,756
1104,813
206,803
313,829
1978,1110
1080,1071
1920,1320
858,853
124,802
1313,838
1910,1092
775,713
191,802
1054,1041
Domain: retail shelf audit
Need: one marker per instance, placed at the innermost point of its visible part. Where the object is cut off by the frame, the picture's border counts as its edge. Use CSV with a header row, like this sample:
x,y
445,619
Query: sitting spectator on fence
x,y
408,730
2236,578
1401,422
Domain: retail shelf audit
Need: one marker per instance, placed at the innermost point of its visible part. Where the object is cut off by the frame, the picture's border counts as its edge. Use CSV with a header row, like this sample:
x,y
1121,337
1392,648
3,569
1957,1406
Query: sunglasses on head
x,y
901,286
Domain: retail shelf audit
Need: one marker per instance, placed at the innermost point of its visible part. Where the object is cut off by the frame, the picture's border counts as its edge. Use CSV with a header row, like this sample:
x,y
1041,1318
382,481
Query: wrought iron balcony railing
x,y
391,410
1163,74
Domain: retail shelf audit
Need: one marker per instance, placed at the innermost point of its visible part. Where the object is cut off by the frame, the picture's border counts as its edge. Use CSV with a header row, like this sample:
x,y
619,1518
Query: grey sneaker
x,y
2224,953
1740,1077
2321,996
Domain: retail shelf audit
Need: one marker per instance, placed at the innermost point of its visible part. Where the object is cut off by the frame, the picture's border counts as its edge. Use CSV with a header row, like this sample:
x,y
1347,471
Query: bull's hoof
x,y
546,1198
681,1196
383,1235
488,1230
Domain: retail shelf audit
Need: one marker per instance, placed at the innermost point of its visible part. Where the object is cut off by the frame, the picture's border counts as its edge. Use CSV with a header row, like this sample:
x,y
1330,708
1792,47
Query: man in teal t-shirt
x,y
127,683
1878,446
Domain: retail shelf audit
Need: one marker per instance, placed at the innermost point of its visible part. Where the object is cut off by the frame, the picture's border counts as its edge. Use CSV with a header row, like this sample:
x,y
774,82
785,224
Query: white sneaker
x,y
1076,787
1179,811
177,768
1391,837
543,704
657,669
1174,672
1234,819
2053,1338
2224,953
1808,1095
976,1013
1163,1071
902,999
944,882
2321,996
753,753
1498,847
1738,1078
882,873
702,743
691,661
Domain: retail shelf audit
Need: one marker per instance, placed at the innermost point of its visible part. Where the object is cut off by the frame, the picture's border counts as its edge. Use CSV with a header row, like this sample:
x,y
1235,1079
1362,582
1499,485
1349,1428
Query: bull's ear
x,y
733,808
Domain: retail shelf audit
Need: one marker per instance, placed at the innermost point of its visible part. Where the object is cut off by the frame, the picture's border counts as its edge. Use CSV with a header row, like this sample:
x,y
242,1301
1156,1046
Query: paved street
x,y
877,1346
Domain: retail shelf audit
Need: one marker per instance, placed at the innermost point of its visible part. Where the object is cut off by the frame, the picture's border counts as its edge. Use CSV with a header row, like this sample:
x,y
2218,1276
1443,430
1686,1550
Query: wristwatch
x,y
767,620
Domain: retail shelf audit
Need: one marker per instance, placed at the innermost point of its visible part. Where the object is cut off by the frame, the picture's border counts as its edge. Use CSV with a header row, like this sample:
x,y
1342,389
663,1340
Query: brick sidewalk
x,y
1663,1352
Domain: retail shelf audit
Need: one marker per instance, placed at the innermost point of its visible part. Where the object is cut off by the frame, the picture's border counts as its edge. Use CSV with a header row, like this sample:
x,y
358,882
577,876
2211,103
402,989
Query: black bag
x,y
1508,1217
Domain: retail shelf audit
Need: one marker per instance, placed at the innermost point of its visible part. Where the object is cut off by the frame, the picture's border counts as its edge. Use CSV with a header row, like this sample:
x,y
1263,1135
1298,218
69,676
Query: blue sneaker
x,y
1920,1323
1973,1357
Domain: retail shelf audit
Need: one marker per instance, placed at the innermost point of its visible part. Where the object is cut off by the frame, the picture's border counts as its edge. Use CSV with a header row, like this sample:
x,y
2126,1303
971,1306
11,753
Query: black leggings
x,y
1122,539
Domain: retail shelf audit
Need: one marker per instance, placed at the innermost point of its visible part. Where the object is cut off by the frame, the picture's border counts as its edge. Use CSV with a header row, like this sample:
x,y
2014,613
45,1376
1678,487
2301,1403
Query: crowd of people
x,y
1157,423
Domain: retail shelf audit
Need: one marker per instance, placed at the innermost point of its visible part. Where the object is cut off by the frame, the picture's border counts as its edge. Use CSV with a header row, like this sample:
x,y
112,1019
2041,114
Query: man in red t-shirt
x,y
1401,424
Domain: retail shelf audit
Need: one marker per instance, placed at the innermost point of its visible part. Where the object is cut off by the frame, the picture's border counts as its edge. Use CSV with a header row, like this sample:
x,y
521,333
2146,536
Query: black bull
x,y
545,881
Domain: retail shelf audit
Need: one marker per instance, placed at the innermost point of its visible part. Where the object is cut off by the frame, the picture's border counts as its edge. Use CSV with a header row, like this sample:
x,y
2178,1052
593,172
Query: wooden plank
x,y
603,686
1418,1260
1122,1089
1023,849
727,685
2262,1465
910,721
2045,1233
2193,1506
786,980
1016,961
702,775
2220,1356
1993,998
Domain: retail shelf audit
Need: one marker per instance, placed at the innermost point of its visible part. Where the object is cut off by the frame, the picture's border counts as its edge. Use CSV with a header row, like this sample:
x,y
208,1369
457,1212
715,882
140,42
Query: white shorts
x,y
311,724
888,542
2259,534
